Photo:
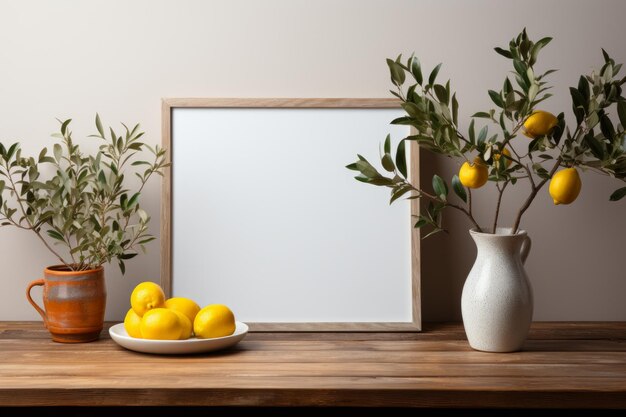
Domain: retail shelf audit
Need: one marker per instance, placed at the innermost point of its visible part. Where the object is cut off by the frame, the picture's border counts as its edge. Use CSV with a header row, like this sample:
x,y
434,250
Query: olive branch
x,y
432,110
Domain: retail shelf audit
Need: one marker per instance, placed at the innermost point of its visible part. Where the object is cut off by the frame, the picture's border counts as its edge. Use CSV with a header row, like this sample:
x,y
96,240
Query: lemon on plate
x,y
145,297
161,324
132,324
474,175
565,186
185,324
183,305
214,320
539,123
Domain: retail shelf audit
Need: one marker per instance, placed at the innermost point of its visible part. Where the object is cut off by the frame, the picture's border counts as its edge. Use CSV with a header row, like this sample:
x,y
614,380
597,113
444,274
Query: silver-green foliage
x,y
84,204
432,109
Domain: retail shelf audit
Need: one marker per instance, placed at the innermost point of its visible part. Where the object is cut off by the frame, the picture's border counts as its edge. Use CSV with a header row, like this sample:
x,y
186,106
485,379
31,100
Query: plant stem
x,y
533,194
454,206
500,194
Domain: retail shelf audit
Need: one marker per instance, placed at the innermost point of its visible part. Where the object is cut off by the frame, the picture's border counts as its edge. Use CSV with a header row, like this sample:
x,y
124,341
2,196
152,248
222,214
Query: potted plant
x,y
82,208
497,298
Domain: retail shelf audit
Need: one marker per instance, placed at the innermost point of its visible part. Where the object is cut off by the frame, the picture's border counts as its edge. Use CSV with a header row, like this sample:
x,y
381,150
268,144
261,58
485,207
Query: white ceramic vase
x,y
497,300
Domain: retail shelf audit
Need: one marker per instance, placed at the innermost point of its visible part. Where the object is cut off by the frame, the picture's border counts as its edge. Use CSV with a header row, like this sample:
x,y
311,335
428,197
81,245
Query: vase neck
x,y
500,243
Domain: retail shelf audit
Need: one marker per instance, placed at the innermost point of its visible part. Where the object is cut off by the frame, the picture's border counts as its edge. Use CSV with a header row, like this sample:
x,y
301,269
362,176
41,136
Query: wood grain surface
x,y
563,365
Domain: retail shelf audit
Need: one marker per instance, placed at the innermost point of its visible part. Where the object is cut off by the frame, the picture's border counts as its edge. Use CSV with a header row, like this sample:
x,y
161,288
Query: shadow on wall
x,y
446,257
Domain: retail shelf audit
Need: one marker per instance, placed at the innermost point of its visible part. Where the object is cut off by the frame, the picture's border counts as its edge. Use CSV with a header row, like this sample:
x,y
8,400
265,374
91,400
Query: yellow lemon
x,y
506,153
183,305
539,123
215,320
185,325
161,324
565,186
146,296
474,175
131,323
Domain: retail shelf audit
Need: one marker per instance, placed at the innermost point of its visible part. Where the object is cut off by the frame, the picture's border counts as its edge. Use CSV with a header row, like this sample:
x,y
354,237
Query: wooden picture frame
x,y
169,105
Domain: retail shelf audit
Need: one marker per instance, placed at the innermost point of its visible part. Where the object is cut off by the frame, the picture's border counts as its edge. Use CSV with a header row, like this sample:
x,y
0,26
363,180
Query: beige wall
x,y
72,58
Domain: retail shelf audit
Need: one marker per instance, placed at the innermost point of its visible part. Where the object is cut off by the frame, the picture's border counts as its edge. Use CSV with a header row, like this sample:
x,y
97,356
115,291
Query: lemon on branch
x,y
539,123
474,175
565,186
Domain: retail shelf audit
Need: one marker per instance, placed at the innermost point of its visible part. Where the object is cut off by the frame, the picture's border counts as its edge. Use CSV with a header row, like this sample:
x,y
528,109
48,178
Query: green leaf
x,y
458,188
387,163
441,93
482,135
387,147
412,109
42,154
55,235
397,72
352,166
143,216
401,158
596,146
147,240
133,201
482,114
520,68
367,169
455,110
583,88
433,75
534,52
440,187
578,104
11,151
503,52
421,223
137,163
495,97
433,232
381,181
416,70
618,194
58,152
124,201
395,94
400,192
621,112
64,126
607,127
532,91
99,125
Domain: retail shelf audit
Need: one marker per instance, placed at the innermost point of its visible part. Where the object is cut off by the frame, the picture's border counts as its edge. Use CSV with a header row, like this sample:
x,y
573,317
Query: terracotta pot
x,y
74,303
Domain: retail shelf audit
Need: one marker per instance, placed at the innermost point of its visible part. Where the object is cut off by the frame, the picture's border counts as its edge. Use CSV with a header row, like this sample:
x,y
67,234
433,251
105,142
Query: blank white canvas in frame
x,y
267,219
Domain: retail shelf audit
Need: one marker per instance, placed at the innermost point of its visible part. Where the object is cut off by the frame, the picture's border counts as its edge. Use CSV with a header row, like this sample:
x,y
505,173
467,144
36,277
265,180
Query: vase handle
x,y
525,250
38,282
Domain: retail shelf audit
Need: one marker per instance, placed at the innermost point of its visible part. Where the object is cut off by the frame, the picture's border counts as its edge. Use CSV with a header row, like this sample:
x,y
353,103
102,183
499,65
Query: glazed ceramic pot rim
x,y
64,270
501,232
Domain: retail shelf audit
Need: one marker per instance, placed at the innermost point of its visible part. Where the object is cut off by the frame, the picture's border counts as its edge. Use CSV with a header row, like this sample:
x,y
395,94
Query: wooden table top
x,y
563,365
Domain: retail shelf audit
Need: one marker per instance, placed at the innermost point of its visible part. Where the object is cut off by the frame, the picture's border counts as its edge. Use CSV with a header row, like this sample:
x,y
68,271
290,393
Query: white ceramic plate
x,y
176,347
